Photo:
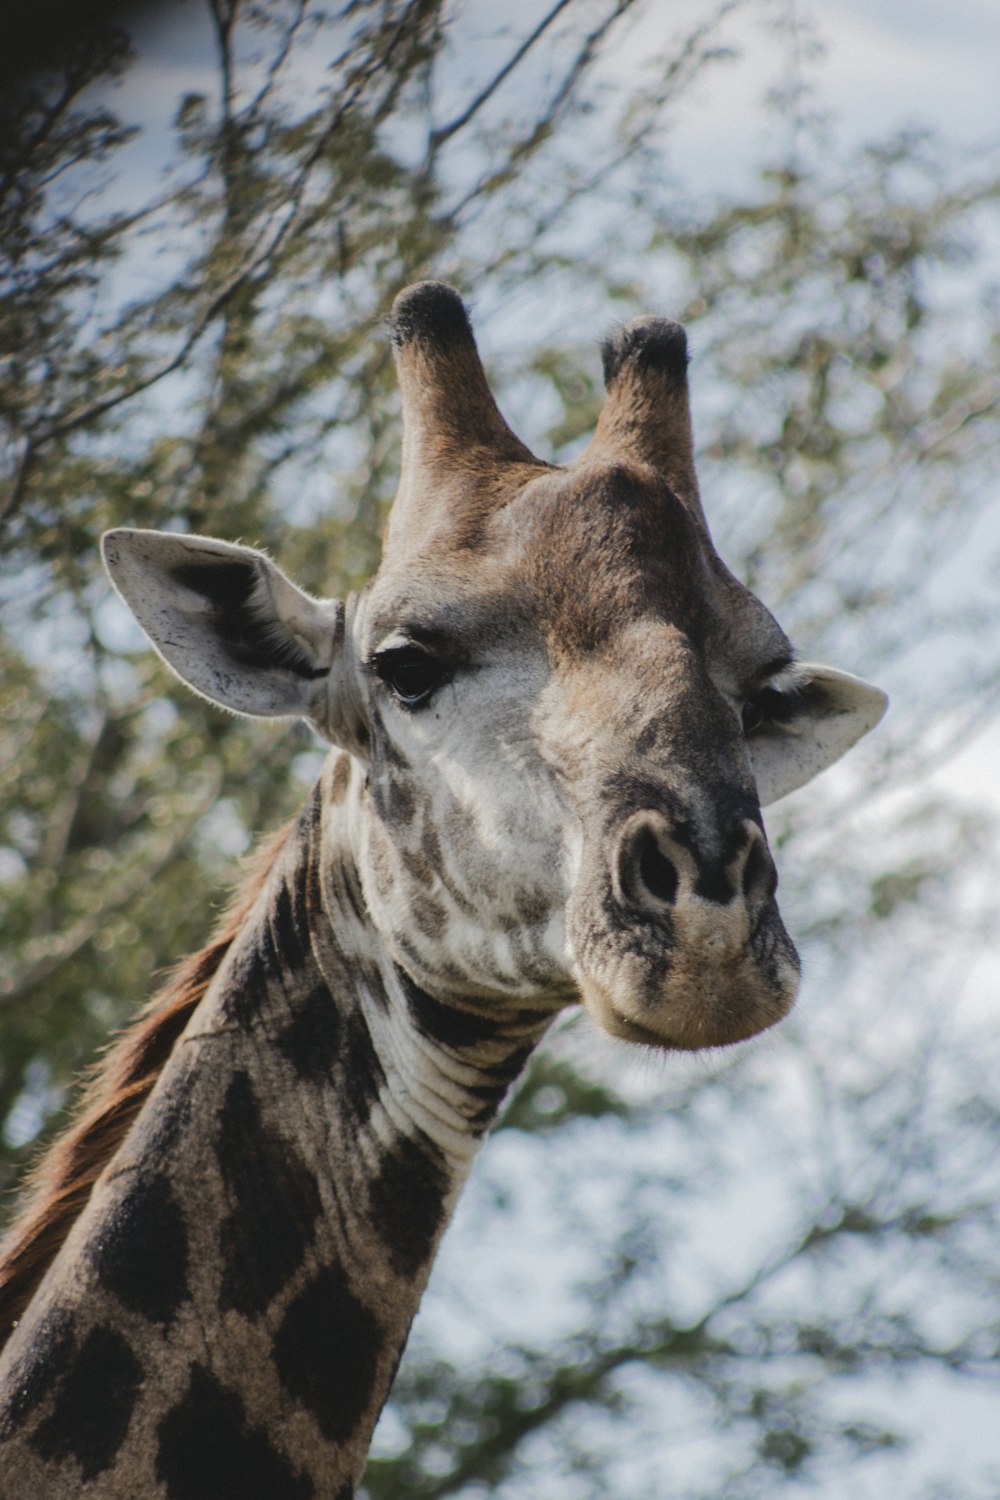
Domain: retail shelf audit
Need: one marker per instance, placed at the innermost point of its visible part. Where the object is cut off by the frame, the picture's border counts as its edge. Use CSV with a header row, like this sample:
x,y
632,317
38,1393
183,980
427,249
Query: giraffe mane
x,y
114,1092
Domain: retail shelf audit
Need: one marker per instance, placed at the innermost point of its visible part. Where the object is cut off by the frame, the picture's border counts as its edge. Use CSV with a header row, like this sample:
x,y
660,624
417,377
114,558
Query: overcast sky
x,y
888,64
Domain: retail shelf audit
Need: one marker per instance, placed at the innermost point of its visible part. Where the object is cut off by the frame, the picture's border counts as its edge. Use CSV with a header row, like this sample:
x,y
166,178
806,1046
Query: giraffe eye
x,y
411,674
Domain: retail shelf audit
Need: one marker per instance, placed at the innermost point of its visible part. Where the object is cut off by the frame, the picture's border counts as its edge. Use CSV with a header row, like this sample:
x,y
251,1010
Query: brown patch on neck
x,y
118,1087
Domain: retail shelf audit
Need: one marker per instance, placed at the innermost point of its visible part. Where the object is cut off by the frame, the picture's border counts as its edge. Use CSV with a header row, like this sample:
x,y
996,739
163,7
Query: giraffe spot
x,y
275,1204
418,865
531,958
533,907
383,855
403,944
206,1450
142,1255
312,1039
46,1361
406,1203
497,1079
311,815
247,997
350,889
448,1024
370,976
283,945
319,1041
429,915
394,755
492,1096
430,846
326,1352
437,867
340,779
290,926
312,892
512,1065
391,784
400,803
363,1072
93,1406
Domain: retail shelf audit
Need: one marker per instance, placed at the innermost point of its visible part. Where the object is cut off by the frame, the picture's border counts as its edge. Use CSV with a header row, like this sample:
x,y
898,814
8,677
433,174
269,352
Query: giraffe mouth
x,y
720,1019
703,990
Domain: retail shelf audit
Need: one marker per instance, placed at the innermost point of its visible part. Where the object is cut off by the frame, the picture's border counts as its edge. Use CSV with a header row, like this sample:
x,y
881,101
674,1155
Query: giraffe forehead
x,y
604,548
574,559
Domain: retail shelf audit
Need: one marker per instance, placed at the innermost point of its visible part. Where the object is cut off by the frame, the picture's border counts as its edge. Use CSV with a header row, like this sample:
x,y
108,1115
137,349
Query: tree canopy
x,y
778,1269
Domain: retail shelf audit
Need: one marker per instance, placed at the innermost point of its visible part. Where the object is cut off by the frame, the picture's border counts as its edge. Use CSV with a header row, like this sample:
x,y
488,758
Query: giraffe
x,y
554,716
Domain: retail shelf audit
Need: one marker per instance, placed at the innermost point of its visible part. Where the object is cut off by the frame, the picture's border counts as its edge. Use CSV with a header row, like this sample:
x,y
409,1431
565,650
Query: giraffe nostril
x,y
657,874
759,875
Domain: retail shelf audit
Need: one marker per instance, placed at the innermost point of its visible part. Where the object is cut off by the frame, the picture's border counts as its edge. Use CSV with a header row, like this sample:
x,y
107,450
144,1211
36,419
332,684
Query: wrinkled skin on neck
x,y
573,809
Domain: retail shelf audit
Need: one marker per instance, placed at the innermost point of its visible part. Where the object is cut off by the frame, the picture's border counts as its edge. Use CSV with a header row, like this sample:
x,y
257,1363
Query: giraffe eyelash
x,y
410,673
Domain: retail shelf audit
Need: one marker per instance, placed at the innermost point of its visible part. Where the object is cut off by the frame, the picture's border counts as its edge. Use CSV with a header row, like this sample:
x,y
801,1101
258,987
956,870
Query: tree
x,y
843,323
208,358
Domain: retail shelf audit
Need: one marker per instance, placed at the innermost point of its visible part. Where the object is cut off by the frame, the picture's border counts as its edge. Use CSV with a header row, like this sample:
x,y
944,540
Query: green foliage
x,y
215,385
210,358
553,1091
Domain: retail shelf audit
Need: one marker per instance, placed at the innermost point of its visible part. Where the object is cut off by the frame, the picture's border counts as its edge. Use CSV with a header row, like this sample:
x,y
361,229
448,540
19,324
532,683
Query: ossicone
x,y
646,417
648,344
457,448
432,313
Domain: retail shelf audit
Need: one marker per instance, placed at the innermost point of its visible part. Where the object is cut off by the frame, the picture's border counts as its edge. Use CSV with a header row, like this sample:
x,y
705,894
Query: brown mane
x,y
118,1086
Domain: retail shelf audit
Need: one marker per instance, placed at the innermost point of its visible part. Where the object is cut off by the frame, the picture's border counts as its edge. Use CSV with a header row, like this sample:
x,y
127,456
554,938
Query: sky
x,y
887,65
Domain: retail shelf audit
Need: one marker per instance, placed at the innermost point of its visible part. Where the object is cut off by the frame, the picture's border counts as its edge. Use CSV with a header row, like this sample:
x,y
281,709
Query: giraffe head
x,y
563,712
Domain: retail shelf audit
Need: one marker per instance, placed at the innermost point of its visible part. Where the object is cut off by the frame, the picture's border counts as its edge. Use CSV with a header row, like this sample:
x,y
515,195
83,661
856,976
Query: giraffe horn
x,y
646,416
450,418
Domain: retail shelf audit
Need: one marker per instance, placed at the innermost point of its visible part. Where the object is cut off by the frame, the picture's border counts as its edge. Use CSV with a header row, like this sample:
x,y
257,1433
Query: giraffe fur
x,y
554,716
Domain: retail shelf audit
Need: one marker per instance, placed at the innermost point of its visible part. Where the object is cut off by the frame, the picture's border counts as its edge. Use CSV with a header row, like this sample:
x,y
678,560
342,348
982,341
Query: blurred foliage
x,y
191,339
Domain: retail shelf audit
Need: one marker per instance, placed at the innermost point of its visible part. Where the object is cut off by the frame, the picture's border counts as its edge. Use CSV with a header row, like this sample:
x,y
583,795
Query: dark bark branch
x,y
445,132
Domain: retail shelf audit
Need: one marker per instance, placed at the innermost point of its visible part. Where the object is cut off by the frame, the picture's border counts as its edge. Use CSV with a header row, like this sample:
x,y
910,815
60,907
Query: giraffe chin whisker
x,y
699,1004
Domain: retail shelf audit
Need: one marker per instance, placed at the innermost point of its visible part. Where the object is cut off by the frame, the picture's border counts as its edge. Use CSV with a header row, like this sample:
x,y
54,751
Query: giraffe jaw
x,y
712,995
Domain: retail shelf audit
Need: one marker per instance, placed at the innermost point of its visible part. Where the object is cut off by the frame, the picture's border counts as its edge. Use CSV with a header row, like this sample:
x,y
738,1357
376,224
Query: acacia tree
x,y
677,1339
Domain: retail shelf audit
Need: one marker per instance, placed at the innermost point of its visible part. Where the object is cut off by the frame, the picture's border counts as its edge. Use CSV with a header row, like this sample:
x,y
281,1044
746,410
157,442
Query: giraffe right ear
x,y
230,623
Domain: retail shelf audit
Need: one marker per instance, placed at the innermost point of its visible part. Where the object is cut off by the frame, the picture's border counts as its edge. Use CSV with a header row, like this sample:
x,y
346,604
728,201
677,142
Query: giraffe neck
x,y
235,1298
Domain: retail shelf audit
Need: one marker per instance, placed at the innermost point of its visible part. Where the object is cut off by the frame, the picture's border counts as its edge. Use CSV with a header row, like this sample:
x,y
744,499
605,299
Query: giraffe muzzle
x,y
685,947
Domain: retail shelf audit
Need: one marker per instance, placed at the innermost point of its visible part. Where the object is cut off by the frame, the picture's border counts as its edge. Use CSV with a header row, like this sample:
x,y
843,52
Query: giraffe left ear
x,y
821,714
230,623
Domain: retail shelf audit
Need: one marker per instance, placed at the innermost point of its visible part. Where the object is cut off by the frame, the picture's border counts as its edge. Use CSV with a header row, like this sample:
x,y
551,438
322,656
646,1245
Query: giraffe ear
x,y
808,724
229,622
